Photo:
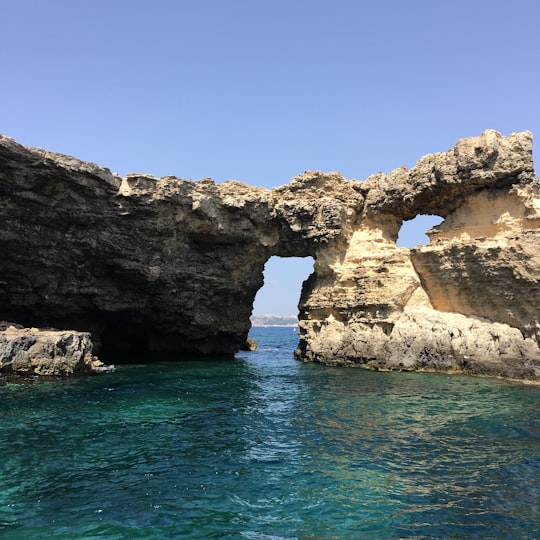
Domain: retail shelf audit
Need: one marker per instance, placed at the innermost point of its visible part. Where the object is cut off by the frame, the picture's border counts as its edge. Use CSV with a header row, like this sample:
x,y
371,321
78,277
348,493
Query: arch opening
x,y
279,296
413,231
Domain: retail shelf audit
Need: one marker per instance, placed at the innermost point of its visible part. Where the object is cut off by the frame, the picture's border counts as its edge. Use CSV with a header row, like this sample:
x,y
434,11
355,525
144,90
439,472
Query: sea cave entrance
x,y
278,298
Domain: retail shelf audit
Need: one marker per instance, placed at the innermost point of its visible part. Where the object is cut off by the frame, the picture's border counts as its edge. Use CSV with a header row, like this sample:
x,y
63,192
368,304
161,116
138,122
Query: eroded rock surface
x,y
470,300
153,266
33,351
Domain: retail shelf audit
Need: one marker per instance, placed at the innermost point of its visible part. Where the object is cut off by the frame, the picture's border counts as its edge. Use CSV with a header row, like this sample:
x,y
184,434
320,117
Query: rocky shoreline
x,y
46,352
167,266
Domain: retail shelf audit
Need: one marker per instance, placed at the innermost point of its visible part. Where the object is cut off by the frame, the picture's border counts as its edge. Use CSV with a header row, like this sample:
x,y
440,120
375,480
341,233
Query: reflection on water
x,y
266,447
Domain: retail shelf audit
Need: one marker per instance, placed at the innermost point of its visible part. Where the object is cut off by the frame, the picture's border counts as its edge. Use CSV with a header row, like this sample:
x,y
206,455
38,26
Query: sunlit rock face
x,y
469,301
155,266
32,351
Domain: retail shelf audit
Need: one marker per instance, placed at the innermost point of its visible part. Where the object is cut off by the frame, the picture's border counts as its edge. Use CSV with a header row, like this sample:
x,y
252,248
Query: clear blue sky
x,y
259,90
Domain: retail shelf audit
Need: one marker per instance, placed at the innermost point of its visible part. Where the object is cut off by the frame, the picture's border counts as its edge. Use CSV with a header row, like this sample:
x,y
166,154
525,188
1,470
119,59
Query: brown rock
x,y
45,352
153,266
470,301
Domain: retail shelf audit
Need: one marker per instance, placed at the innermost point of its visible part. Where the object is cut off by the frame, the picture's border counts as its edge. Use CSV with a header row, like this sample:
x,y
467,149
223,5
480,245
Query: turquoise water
x,y
264,447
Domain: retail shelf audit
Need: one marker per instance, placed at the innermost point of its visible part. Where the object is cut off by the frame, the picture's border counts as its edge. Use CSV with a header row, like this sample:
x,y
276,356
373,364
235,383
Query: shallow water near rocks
x,y
264,447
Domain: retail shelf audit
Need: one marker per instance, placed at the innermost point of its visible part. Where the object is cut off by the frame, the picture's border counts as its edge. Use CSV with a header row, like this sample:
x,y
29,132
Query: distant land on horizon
x,y
264,319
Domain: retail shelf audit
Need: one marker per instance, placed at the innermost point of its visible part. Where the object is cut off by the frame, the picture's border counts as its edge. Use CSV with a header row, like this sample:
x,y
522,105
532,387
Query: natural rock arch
x,y
280,293
178,263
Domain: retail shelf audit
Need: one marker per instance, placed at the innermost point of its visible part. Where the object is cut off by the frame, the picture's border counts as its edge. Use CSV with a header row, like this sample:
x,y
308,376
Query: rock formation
x,y
169,266
469,301
32,351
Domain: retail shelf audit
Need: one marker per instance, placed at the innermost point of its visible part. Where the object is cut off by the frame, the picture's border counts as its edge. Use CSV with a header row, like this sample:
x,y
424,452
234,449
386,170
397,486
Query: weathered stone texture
x,y
153,266
32,351
469,301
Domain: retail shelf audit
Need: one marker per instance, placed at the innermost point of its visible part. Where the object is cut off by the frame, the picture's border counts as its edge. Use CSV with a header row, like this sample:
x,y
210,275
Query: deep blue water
x,y
264,447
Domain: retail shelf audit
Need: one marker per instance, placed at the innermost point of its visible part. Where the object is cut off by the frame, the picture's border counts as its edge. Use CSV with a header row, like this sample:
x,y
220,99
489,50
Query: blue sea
x,y
266,447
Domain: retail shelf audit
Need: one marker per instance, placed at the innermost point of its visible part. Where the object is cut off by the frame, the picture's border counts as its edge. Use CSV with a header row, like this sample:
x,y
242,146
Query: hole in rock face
x,y
413,231
283,278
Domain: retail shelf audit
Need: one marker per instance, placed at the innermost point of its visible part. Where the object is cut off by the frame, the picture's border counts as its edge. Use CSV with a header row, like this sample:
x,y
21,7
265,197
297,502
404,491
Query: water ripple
x,y
264,447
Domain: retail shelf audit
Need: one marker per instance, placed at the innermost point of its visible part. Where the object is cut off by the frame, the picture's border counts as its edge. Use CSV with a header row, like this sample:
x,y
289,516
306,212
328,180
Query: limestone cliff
x,y
153,266
148,265
469,301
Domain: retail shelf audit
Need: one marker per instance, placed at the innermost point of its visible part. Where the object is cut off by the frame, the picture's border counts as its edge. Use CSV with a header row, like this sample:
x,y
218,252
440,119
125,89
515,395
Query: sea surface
x,y
265,447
